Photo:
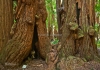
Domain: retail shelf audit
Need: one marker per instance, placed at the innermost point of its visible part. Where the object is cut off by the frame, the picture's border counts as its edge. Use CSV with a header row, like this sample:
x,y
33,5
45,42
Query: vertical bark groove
x,y
6,17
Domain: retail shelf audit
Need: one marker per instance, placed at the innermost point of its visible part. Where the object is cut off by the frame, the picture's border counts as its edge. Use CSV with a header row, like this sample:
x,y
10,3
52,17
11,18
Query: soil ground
x,y
38,64
41,65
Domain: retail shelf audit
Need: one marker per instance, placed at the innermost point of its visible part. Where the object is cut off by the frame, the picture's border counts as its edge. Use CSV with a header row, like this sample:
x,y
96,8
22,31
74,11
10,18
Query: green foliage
x,y
14,5
55,41
98,43
14,9
97,8
14,21
96,27
51,10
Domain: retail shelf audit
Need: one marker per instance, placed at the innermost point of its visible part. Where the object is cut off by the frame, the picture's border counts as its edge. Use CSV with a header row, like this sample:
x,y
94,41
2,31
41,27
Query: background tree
x,y
59,7
97,17
6,21
51,22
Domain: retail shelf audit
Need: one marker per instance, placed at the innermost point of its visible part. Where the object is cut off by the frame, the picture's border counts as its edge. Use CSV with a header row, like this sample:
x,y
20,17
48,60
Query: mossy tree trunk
x,y
87,46
78,34
67,40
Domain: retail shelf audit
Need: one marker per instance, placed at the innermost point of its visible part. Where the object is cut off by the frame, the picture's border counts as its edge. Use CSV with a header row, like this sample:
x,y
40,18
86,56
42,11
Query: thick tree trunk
x,y
78,34
29,14
67,40
87,46
43,40
19,46
6,21
58,6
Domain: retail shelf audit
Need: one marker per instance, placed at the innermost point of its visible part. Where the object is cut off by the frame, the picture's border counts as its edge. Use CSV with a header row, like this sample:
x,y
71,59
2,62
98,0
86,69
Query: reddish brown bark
x,y
88,48
67,40
78,34
6,21
58,3
43,40
19,46
29,13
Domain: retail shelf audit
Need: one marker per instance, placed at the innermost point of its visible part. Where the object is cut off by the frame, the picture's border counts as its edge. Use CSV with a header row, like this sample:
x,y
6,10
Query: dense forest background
x,y
50,34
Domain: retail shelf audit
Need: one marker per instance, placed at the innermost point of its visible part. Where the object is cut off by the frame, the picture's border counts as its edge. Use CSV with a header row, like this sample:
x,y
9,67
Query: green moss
x,y
80,33
91,31
73,26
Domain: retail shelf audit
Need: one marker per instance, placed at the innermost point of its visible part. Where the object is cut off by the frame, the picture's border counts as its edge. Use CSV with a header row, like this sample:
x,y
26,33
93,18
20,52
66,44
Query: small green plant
x,y
55,41
98,43
96,27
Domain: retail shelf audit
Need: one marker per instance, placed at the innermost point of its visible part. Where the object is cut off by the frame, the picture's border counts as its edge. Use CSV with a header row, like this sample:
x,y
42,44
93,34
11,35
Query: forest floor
x,y
71,63
37,64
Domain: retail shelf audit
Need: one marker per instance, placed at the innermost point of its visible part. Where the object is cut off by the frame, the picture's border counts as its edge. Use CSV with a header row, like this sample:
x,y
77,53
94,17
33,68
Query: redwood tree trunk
x,y
6,20
19,46
28,14
67,40
43,40
87,46
58,3
78,34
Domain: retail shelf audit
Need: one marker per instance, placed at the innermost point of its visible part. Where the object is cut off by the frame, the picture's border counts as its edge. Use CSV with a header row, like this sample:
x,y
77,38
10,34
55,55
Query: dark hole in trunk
x,y
34,42
34,53
35,45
